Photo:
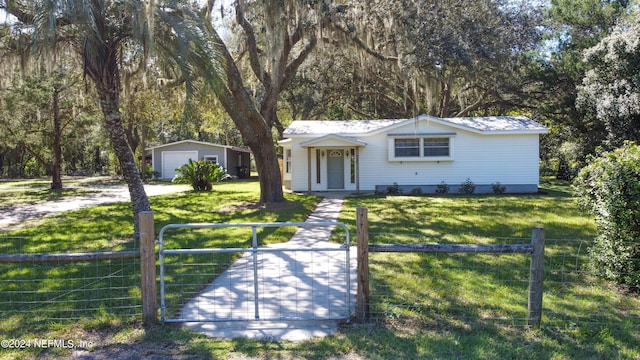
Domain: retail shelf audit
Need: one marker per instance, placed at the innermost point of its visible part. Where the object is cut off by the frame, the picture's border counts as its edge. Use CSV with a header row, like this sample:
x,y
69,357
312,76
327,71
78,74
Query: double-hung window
x,y
421,147
407,147
435,147
287,159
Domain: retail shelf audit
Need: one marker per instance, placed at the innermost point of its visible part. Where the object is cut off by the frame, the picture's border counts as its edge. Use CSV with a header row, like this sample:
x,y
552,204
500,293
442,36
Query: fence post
x,y
362,231
536,278
148,267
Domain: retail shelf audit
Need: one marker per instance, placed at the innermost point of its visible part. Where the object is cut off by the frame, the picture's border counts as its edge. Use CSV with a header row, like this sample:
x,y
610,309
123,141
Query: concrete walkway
x,y
296,289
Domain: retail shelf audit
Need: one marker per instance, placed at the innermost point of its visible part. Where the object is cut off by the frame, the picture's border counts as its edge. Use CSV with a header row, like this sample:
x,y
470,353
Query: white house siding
x,y
510,159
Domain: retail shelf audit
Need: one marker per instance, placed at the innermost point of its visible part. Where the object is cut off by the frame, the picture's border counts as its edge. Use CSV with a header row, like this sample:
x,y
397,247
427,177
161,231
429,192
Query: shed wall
x,y
202,149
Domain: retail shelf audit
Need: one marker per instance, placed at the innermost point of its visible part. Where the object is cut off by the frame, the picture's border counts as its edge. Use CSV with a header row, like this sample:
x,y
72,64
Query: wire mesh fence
x,y
437,290
572,285
453,290
36,290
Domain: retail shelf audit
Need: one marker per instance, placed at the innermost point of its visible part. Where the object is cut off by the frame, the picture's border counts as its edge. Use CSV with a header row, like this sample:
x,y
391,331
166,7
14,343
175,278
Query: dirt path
x,y
14,216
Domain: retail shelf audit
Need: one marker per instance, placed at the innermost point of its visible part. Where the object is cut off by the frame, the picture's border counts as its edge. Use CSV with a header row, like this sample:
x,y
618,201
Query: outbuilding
x,y
424,153
166,158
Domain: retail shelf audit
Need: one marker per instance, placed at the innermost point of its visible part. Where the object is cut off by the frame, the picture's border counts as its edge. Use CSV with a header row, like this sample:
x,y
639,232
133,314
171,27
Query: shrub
x,y
394,189
200,174
497,188
416,191
467,187
442,188
609,187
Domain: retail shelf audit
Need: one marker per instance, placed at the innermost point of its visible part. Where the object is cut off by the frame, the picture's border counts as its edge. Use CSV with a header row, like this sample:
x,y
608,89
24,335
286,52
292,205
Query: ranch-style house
x,y
415,153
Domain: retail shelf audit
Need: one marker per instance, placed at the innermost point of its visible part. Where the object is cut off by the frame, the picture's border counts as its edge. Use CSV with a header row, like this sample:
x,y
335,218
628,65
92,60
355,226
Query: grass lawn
x,y
467,306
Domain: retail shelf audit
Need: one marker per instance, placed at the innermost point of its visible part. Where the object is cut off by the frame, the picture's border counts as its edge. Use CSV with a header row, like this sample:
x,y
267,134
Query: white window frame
x,y
415,150
436,147
287,161
421,142
211,158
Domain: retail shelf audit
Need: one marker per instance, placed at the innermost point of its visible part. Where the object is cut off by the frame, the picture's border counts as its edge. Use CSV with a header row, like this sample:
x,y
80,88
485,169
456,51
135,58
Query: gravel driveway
x,y
14,215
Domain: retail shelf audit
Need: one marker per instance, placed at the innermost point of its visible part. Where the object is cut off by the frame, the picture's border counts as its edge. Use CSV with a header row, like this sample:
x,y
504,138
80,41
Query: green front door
x,y
335,169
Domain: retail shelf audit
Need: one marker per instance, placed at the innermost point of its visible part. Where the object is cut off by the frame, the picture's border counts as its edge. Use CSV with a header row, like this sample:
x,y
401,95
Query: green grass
x,y
426,306
84,292
478,218
475,306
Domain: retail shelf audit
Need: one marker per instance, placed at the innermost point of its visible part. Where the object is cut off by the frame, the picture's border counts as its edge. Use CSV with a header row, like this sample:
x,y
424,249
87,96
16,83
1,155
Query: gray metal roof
x,y
345,127
352,127
498,123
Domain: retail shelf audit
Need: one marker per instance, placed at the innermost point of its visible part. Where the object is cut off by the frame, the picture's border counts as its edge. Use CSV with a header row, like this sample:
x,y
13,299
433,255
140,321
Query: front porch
x,y
332,163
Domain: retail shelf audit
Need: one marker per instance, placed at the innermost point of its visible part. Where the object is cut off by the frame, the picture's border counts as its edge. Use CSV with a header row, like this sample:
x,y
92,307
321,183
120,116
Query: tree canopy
x,y
177,73
610,90
401,58
570,28
111,39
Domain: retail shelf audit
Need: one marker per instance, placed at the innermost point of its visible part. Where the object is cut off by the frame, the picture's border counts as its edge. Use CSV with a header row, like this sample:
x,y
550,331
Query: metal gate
x,y
273,282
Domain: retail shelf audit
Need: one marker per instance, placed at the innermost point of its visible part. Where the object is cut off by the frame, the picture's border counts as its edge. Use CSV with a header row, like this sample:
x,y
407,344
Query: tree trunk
x,y
255,131
118,138
257,135
445,98
143,145
56,168
269,171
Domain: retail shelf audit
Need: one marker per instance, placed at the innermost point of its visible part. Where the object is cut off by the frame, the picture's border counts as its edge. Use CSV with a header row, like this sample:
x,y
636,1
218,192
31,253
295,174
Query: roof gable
x,y
333,140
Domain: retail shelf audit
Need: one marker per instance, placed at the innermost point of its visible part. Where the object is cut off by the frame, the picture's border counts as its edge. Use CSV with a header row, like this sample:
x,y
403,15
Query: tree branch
x,y
251,42
16,9
362,45
292,68
474,106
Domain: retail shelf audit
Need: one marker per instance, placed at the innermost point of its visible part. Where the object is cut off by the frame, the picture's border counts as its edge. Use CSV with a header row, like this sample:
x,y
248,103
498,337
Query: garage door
x,y
171,160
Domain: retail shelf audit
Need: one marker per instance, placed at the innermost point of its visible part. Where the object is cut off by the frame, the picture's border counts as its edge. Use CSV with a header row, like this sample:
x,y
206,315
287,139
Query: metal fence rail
x,y
275,282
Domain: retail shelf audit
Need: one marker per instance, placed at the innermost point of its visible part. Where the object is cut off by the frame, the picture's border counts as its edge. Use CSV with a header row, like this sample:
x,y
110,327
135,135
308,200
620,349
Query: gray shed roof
x,y
489,124
235,148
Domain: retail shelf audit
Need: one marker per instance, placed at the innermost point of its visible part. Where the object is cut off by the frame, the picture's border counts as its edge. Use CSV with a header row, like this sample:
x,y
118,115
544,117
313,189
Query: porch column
x,y
309,170
357,154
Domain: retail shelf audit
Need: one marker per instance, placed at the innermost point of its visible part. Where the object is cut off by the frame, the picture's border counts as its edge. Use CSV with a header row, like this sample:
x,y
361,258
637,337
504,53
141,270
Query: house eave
x,y
514,132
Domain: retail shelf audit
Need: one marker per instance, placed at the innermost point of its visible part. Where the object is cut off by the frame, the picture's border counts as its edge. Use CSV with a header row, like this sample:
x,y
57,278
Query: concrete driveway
x,y
14,216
